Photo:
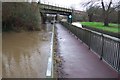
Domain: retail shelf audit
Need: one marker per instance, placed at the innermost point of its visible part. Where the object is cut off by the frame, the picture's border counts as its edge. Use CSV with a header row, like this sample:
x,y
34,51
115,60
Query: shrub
x,y
19,16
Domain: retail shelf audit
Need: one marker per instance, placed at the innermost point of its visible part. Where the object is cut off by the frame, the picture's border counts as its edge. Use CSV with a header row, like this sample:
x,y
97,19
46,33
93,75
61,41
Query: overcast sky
x,y
76,4
66,3
71,3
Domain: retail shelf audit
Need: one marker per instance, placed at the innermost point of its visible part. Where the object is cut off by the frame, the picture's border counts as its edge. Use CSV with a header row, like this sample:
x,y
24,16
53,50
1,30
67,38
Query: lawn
x,y
99,25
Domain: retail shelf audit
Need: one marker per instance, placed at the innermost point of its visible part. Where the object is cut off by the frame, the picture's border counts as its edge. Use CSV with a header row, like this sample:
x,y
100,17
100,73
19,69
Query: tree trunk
x,y
106,22
106,12
90,17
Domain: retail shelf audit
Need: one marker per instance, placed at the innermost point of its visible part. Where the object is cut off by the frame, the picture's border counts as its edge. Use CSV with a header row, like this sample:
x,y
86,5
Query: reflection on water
x,y
25,54
0,55
0,39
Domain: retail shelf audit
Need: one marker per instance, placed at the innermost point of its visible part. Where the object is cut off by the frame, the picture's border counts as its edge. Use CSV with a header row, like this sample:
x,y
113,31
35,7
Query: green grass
x,y
99,25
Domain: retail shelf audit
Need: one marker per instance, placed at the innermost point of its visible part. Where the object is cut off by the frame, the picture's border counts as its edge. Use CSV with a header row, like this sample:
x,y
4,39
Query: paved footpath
x,y
80,62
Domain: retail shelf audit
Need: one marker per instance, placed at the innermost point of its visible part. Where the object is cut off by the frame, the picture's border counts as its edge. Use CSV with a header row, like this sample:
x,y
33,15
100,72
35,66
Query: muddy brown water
x,y
25,54
0,55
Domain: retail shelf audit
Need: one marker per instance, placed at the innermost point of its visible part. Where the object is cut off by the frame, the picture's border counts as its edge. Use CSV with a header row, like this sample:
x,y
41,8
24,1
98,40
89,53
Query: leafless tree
x,y
106,8
91,11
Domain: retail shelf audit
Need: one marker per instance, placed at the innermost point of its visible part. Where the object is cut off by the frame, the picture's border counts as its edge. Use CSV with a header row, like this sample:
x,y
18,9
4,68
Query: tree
x,y
91,11
106,9
106,12
19,16
78,15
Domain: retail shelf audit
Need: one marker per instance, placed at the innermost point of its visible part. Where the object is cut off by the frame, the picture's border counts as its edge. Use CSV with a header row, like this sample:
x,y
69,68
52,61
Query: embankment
x,y
20,16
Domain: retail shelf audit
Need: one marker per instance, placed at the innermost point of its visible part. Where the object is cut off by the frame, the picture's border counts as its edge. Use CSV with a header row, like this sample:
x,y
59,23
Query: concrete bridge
x,y
50,9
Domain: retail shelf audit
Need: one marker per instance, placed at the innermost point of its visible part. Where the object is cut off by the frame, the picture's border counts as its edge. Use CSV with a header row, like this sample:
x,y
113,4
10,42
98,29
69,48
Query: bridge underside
x,y
47,11
54,12
50,9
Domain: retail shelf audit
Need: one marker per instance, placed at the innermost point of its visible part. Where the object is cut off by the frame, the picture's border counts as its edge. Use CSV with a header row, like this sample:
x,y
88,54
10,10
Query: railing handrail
x,y
105,35
107,47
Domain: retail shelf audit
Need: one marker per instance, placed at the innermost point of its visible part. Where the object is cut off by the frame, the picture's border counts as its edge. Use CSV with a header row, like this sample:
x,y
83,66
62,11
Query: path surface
x,y
77,24
80,62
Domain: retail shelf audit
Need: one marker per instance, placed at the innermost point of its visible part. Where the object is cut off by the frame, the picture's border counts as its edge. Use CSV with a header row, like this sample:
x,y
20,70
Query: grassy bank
x,y
111,28
19,16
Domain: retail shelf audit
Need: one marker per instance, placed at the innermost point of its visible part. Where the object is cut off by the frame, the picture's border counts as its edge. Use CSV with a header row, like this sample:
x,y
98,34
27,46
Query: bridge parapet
x,y
56,8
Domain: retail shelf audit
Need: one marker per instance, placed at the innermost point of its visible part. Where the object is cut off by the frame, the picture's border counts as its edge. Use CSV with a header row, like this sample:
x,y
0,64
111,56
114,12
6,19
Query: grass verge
x,y
99,25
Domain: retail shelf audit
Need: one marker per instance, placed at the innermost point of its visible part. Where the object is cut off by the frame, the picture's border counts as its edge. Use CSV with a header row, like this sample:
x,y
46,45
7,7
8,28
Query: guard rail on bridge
x,y
56,8
107,47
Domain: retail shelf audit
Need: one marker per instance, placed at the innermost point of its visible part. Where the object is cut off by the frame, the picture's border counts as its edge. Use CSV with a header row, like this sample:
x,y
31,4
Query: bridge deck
x,y
80,62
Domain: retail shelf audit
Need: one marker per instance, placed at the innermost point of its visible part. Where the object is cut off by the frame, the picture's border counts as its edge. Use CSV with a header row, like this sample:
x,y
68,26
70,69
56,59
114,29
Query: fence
x,y
105,46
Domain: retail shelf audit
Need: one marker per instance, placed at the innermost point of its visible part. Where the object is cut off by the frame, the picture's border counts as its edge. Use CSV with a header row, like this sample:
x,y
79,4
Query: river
x,y
25,54
0,55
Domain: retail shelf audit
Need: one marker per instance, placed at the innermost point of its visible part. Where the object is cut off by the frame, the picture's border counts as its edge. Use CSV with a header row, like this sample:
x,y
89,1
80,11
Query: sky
x,y
76,4
65,3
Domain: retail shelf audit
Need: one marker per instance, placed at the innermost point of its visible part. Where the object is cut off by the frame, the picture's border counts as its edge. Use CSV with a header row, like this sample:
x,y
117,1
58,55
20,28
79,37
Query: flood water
x,y
25,54
0,55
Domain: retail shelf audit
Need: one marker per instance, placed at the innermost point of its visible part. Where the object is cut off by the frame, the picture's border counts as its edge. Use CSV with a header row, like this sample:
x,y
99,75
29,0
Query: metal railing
x,y
107,47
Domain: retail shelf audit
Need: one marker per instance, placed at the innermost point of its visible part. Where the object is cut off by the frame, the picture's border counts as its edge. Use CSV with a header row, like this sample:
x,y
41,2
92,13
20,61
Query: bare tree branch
x,y
109,6
103,6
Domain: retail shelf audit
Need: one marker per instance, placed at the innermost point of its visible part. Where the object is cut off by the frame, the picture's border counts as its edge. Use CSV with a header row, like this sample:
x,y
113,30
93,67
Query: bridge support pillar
x,y
43,16
56,17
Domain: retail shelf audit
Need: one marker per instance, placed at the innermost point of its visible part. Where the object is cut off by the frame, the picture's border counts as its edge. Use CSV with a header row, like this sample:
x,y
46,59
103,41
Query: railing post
x,y
119,60
107,47
102,47
89,39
